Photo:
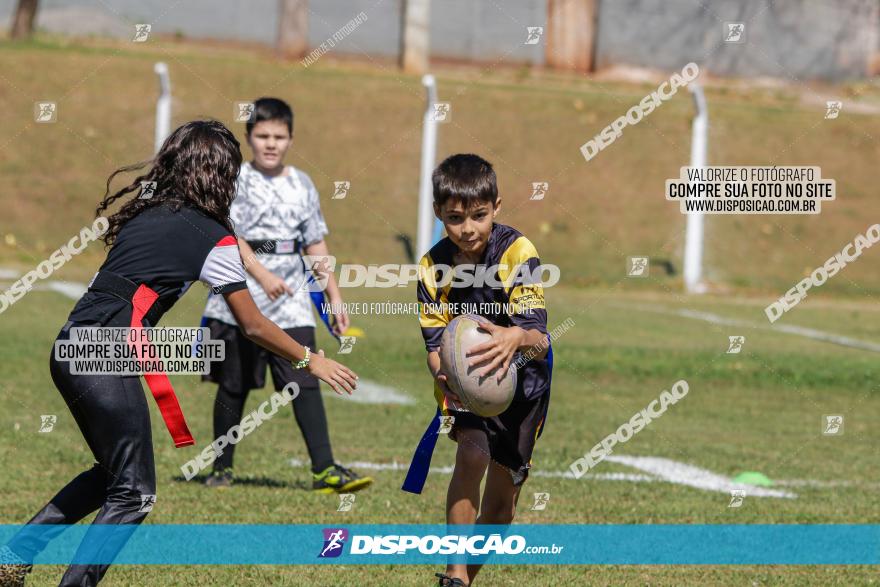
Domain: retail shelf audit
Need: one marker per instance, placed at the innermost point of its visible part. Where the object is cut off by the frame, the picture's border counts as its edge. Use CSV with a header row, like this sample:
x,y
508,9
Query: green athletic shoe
x,y
338,479
219,478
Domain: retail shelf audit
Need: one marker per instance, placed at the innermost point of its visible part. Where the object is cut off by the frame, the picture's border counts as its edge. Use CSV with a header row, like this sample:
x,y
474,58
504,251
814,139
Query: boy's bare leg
x,y
463,496
499,504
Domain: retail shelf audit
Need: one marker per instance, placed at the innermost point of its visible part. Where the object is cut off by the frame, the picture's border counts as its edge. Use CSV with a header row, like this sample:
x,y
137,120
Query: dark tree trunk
x,y
23,21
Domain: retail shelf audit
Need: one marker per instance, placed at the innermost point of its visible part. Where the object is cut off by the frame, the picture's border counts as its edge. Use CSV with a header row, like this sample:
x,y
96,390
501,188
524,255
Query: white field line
x,y
652,470
824,484
684,474
786,328
395,466
370,392
71,289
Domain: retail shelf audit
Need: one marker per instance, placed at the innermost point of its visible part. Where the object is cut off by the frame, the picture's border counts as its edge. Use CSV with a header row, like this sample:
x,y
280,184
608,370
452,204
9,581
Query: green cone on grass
x,y
753,478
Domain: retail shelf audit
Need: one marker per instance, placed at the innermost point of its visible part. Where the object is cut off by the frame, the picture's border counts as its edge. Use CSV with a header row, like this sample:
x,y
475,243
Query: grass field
x,y
759,410
756,411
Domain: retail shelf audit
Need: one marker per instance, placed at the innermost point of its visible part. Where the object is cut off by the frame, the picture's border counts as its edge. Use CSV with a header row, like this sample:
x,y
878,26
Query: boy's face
x,y
468,229
269,140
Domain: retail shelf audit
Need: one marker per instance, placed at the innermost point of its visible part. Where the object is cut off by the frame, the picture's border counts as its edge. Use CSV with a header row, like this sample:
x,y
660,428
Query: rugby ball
x,y
484,396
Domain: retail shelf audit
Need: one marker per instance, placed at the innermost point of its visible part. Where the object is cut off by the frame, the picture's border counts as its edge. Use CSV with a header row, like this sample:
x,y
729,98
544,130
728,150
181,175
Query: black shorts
x,y
245,365
509,438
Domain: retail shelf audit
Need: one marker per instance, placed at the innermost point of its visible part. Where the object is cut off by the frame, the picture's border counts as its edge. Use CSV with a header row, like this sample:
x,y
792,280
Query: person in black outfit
x,y
160,246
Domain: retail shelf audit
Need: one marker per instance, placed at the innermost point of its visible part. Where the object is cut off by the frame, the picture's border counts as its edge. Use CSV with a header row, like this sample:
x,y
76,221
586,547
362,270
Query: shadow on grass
x,y
250,482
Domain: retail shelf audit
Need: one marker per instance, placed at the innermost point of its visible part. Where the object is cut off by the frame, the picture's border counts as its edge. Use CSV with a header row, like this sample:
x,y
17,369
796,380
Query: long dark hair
x,y
197,166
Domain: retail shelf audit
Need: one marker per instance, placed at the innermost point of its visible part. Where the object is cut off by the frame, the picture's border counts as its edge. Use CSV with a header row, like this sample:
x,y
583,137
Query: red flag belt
x,y
144,304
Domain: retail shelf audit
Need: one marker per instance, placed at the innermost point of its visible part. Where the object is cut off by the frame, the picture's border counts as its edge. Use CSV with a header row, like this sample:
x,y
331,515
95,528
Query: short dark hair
x,y
466,178
271,109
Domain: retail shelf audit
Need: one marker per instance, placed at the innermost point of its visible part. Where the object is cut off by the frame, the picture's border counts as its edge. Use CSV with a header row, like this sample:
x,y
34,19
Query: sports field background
x,y
361,122
760,410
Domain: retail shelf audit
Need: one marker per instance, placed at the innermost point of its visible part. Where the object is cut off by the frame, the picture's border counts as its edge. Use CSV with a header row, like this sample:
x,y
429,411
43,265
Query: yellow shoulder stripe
x,y
519,251
432,319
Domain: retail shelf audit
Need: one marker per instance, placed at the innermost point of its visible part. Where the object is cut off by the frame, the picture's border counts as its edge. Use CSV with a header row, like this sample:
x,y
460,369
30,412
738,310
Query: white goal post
x,y
163,106
693,246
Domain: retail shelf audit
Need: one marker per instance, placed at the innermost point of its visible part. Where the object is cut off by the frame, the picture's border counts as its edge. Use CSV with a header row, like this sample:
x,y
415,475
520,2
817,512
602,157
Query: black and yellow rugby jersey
x,y
515,299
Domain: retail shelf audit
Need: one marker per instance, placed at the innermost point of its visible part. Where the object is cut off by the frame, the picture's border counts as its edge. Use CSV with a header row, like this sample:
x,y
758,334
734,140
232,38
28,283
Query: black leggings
x,y
308,409
113,416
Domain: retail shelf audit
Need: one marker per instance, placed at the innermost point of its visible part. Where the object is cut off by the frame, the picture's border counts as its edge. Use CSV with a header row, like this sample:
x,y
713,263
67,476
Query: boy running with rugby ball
x,y
466,201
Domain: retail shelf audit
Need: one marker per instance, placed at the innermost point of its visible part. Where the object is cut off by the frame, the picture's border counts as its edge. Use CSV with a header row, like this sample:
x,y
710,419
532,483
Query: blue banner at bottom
x,y
202,544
